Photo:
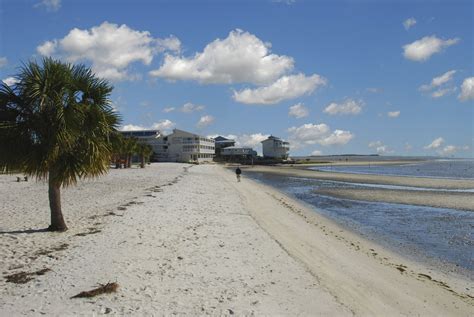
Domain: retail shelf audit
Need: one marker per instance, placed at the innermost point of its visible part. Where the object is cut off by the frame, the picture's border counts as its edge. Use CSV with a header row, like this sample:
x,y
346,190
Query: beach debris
x,y
91,231
24,277
102,289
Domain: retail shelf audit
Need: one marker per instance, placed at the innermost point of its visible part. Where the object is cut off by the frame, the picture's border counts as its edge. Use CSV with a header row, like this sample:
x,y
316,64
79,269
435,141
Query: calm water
x,y
440,237
459,169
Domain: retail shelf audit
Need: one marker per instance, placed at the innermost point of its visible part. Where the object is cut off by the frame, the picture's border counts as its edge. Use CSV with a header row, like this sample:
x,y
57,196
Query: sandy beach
x,y
182,239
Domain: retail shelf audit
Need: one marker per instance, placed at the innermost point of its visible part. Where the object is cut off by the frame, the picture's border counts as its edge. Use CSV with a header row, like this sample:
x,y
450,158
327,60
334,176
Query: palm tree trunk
x,y
57,220
129,163
142,164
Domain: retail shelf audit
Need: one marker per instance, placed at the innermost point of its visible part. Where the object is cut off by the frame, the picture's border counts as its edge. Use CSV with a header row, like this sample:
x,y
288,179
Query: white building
x,y
182,146
179,146
274,147
234,151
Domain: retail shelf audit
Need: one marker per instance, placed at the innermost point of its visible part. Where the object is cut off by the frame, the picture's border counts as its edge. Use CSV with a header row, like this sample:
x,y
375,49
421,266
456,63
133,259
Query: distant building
x,y
238,153
274,147
221,143
179,146
182,146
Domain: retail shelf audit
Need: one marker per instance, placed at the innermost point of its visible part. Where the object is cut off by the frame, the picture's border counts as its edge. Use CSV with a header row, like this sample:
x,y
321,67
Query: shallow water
x,y
433,235
456,169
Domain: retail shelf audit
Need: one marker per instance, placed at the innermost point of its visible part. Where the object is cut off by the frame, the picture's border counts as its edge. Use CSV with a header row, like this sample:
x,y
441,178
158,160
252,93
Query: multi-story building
x,y
274,147
222,143
179,146
182,146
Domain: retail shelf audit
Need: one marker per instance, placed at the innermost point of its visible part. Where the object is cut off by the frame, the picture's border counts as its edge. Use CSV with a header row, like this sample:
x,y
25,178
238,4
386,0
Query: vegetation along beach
x,y
236,158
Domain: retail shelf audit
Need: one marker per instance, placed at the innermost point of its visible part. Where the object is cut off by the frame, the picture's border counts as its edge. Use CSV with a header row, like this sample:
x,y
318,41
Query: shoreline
x,y
435,183
191,240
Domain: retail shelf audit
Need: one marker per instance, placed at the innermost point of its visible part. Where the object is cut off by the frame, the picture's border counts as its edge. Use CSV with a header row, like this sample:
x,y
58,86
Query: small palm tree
x,y
56,123
129,147
144,151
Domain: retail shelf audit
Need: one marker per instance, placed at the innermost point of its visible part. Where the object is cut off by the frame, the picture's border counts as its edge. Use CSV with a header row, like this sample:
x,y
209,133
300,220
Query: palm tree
x,y
129,147
144,151
55,123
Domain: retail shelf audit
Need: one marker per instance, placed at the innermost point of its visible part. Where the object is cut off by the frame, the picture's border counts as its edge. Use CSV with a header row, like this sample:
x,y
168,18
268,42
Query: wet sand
x,y
460,201
435,183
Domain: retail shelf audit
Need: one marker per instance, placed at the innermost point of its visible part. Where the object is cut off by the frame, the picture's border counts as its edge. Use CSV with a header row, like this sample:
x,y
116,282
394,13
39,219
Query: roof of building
x,y
271,137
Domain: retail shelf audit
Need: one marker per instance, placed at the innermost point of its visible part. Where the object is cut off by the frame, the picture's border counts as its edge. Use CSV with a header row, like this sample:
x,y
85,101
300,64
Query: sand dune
x,y
193,241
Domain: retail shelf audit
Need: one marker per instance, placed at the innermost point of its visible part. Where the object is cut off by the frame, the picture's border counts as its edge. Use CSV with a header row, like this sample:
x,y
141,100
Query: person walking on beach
x,y
237,173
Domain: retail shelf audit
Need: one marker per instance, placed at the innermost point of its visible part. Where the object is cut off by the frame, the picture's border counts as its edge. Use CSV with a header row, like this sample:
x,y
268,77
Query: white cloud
x,y
316,153
10,81
240,58
204,121
467,89
165,126
132,127
380,147
3,61
348,106
50,5
298,111
287,87
437,143
338,137
189,107
439,81
408,23
317,134
443,92
393,114
169,109
421,50
110,48
408,147
374,90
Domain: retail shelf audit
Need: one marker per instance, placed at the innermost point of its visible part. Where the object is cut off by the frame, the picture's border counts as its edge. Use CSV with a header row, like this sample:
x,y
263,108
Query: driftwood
x,y
102,289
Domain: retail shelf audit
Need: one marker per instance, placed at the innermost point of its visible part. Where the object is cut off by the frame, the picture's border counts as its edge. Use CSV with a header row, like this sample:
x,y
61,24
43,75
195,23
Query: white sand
x,y
198,242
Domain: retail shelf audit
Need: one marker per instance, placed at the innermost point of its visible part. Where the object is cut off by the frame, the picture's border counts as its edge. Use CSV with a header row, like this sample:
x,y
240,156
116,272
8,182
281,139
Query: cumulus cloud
x,y
165,126
348,106
287,87
316,153
298,111
110,48
10,81
190,107
309,133
437,143
443,92
204,121
393,114
380,147
49,5
240,58
408,23
452,149
422,49
3,61
439,81
467,89
132,127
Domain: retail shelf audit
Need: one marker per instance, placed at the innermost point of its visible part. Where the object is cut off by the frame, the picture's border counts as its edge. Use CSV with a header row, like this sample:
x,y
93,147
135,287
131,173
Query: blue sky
x,y
332,77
